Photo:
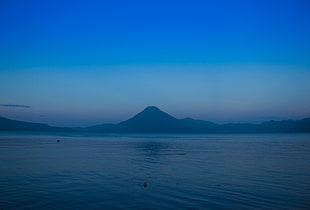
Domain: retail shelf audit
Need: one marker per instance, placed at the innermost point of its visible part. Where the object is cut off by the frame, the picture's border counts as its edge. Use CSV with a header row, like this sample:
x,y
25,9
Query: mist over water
x,y
249,171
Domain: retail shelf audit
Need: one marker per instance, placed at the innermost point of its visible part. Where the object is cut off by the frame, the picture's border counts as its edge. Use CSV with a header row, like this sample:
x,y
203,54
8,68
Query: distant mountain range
x,y
15,125
153,120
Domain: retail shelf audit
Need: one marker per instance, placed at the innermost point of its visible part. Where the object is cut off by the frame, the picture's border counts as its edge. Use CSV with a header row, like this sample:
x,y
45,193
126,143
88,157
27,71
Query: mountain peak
x,y
151,119
152,113
151,108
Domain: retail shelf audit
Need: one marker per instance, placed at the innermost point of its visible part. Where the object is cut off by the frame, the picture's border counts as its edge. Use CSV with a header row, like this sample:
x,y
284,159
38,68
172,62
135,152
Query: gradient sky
x,y
80,63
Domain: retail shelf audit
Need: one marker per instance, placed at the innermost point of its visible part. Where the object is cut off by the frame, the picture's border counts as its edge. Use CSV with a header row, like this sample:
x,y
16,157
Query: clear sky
x,y
79,63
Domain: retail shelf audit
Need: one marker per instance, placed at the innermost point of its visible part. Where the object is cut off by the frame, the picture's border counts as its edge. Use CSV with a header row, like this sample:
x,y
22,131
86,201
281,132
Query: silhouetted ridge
x,y
154,120
15,125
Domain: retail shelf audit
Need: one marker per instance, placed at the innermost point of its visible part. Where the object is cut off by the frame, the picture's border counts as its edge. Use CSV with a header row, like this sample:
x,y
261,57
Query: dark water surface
x,y
248,171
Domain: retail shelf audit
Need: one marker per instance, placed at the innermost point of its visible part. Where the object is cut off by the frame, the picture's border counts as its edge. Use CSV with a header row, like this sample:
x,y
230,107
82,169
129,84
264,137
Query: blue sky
x,y
78,63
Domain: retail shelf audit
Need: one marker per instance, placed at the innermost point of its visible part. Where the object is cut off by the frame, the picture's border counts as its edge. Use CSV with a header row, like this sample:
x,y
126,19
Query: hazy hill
x,y
153,120
14,125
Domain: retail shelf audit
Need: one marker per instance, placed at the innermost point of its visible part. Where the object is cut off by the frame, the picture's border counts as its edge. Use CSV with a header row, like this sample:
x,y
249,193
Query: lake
x,y
154,171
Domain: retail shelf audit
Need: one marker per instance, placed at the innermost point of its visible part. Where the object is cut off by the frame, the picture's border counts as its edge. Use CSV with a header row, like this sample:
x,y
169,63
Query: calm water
x,y
249,171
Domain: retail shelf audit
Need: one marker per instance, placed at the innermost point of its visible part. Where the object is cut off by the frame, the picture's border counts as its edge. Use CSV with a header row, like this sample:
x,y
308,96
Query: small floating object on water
x,y
218,185
58,140
181,153
144,184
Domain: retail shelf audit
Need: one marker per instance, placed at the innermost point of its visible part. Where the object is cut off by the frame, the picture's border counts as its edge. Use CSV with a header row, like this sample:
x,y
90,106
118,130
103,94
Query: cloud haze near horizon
x,y
79,64
15,105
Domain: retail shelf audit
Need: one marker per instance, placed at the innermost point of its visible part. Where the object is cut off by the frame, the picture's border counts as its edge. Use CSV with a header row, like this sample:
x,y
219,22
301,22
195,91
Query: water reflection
x,y
152,148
